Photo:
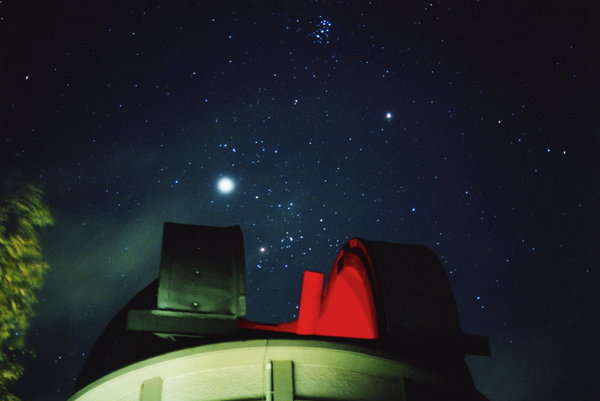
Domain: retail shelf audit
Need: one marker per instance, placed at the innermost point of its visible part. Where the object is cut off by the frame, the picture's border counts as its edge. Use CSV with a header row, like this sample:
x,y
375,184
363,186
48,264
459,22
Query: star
x,y
225,185
388,116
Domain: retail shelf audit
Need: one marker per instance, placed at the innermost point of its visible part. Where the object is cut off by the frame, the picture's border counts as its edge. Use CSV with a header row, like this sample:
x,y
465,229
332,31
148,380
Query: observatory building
x,y
384,326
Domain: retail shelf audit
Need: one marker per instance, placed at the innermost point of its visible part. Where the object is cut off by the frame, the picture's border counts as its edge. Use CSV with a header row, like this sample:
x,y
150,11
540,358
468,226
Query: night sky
x,y
470,127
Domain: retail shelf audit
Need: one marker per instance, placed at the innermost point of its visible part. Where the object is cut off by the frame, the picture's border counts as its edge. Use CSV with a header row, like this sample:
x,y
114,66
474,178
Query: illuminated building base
x,y
273,369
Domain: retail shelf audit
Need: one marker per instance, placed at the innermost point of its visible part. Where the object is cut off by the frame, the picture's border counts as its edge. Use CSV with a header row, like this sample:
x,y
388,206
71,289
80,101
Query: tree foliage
x,y
22,268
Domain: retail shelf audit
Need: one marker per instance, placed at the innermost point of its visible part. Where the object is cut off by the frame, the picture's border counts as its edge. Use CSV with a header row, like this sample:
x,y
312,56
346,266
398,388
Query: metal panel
x,y
415,287
202,270
182,323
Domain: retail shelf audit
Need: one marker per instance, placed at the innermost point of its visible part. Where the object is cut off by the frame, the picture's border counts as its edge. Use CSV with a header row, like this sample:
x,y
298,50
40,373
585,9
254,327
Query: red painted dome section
x,y
345,308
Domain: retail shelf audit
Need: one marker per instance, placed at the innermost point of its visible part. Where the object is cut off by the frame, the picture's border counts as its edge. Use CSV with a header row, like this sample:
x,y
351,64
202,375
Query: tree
x,y
22,268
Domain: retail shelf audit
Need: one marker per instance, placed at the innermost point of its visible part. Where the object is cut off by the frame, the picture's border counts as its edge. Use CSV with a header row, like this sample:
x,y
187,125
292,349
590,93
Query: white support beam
x,y
283,380
151,390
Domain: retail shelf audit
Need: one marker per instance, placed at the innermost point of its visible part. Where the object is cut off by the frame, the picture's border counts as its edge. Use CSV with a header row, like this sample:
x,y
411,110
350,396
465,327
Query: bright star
x,y
225,185
388,116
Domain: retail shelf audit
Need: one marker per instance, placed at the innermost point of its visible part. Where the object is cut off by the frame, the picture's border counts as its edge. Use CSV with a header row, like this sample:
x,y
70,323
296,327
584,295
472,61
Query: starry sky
x,y
471,127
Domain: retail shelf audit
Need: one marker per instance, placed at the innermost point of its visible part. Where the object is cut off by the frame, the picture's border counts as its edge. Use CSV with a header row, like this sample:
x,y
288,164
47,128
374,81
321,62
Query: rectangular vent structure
x,y
202,270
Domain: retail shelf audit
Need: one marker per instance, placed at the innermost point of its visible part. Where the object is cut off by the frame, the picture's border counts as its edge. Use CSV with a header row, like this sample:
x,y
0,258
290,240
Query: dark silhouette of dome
x,y
389,300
